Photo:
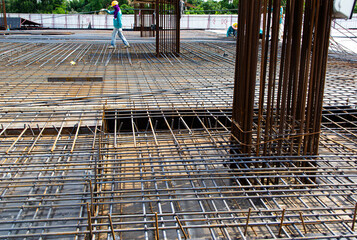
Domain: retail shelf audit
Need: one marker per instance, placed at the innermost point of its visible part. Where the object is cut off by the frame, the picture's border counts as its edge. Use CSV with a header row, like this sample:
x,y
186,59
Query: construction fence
x,y
76,21
95,21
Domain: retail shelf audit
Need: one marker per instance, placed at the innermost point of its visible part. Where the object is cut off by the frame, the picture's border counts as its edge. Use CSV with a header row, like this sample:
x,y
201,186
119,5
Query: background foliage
x,y
90,6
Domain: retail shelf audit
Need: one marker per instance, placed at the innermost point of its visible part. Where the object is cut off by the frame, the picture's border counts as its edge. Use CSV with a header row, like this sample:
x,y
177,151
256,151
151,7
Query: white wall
x,y
74,20
106,21
207,21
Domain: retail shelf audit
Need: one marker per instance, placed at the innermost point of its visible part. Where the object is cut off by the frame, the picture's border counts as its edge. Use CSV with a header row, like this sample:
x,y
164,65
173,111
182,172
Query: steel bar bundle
x,y
287,119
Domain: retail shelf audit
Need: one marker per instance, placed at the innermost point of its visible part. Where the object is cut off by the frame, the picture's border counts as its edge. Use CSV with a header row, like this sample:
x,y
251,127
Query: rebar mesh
x,y
150,146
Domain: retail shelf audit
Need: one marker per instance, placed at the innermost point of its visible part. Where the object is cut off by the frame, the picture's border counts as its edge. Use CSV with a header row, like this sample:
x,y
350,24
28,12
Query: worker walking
x,y
117,25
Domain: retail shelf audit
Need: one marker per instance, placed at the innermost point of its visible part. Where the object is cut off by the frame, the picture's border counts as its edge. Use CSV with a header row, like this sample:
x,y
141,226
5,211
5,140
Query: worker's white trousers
x,y
121,36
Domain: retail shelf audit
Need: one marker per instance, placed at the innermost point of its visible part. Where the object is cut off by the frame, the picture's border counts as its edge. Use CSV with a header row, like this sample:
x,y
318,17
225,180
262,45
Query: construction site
x,y
184,135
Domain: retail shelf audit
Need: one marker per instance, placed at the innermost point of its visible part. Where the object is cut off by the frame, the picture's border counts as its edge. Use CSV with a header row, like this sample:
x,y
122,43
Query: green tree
x,y
121,2
93,5
126,9
60,10
76,5
198,10
50,6
26,6
195,2
37,6
210,5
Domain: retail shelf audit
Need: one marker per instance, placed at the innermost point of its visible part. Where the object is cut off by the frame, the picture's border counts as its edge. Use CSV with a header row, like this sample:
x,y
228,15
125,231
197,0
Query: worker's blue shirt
x,y
116,21
281,15
231,31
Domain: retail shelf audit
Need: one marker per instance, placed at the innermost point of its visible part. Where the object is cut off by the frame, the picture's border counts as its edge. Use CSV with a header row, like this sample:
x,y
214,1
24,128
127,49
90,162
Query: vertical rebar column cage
x,y
3,21
137,13
147,20
167,13
277,110
144,19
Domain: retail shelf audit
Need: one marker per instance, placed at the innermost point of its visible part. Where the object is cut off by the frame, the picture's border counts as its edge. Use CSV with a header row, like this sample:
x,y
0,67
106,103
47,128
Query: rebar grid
x,y
47,181
150,147
201,77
